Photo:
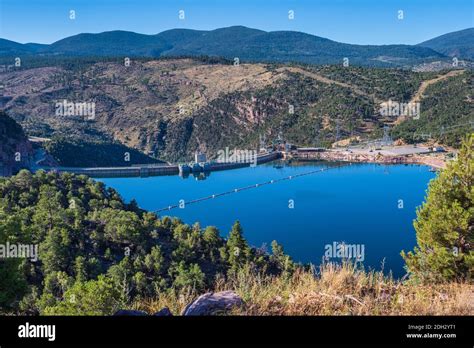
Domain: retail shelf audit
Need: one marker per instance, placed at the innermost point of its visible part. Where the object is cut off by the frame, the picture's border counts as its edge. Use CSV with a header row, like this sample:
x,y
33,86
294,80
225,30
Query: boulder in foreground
x,y
213,302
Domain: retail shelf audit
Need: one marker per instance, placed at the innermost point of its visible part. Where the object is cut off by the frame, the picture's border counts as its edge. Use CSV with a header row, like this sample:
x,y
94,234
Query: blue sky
x,y
352,21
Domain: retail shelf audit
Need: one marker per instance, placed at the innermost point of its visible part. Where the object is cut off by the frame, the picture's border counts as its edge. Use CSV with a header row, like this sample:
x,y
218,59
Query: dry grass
x,y
333,290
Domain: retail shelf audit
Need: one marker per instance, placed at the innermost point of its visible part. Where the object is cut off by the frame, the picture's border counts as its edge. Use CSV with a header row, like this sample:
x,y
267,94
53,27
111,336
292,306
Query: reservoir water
x,y
367,205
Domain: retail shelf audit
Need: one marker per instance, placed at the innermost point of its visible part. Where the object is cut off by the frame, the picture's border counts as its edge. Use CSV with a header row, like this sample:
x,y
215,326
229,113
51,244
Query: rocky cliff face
x,y
15,149
157,107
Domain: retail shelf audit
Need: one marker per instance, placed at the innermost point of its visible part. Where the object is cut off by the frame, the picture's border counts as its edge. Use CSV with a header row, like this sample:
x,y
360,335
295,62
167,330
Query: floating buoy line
x,y
270,182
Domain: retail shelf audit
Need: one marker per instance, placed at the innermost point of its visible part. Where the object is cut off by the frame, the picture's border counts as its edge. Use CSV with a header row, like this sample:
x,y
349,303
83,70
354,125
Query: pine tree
x,y
445,224
12,282
237,247
80,268
94,297
283,261
12,278
189,276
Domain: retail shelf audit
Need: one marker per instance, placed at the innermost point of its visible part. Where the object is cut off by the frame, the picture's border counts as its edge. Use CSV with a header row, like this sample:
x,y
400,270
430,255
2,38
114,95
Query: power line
x,y
443,130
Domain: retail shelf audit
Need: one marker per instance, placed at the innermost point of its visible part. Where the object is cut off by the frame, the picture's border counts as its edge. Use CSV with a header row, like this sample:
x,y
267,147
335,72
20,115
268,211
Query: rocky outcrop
x,y
213,303
15,150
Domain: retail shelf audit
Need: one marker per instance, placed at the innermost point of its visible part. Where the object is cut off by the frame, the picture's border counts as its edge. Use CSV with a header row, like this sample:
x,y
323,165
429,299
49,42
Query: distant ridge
x,y
248,45
456,44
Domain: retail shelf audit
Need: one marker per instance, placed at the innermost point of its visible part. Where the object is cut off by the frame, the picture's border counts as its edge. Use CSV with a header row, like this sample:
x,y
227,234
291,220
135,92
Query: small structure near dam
x,y
383,155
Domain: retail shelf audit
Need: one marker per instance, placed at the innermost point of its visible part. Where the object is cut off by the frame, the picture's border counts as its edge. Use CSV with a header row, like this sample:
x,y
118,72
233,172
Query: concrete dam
x,y
160,169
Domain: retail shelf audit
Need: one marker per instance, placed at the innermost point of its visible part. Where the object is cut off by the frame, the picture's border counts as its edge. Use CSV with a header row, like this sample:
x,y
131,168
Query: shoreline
x,y
433,160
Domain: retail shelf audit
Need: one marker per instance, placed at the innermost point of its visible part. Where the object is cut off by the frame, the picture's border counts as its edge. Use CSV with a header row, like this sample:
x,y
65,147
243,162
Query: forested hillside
x,y
75,152
447,112
250,45
458,44
98,254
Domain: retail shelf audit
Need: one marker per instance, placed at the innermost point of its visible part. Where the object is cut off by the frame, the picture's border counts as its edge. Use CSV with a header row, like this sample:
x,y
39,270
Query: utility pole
x,y
262,141
338,130
387,139
316,129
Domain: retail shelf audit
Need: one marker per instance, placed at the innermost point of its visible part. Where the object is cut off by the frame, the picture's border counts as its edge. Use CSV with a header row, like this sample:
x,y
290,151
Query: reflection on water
x,y
197,176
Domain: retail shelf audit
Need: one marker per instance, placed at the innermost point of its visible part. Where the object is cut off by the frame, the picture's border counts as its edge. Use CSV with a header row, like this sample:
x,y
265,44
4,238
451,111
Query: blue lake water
x,y
353,204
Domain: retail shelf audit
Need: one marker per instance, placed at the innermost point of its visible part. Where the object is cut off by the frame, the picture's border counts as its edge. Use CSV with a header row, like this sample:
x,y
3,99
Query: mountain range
x,y
249,45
